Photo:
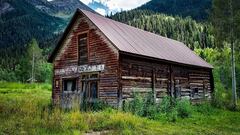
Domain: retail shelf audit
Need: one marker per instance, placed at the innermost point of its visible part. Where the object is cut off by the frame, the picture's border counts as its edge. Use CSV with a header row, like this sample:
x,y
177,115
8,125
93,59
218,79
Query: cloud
x,y
118,5
87,1
123,4
101,11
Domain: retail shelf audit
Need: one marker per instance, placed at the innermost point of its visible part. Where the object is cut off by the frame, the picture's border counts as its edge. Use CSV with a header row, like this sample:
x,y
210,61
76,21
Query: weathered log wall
x,y
143,76
123,74
101,51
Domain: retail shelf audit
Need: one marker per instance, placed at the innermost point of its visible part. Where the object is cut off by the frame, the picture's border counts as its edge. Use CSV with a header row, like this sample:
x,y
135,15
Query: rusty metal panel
x,y
132,40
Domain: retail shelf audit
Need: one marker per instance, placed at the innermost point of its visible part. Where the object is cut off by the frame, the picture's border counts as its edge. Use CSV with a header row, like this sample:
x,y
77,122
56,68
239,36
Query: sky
x,y
105,7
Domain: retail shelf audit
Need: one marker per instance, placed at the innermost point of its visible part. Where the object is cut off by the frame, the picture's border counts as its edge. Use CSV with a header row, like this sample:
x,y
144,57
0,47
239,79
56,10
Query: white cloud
x,y
122,4
117,5
101,11
86,1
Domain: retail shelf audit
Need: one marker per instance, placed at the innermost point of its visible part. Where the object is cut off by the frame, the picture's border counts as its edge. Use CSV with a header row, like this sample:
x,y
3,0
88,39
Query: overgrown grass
x,y
25,109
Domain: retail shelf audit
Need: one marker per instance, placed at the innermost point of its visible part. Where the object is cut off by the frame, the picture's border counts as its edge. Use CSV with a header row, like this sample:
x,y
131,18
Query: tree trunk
x,y
234,93
33,66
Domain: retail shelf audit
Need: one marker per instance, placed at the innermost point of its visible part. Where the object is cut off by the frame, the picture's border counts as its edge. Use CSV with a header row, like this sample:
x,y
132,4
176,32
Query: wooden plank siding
x,y
122,73
136,76
100,52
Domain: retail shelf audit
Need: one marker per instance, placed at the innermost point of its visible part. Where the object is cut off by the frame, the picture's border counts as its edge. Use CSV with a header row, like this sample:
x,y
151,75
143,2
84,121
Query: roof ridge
x,y
130,26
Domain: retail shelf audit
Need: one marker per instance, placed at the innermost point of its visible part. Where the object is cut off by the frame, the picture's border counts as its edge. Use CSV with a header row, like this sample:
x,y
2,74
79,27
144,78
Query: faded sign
x,y
79,69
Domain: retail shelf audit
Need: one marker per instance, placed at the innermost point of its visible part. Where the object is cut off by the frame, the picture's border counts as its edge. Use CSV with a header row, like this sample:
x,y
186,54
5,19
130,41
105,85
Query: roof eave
x,y
163,60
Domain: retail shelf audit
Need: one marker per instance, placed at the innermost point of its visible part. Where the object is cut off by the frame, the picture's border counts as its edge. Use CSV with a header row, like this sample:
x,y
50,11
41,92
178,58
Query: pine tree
x,y
225,19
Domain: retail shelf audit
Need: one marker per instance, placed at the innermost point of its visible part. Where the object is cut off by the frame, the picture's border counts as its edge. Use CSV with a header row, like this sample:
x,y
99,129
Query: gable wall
x,y
101,51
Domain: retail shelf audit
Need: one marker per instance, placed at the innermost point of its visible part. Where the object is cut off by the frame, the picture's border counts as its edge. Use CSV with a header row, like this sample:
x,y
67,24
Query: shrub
x,y
172,115
99,105
134,106
95,106
150,107
184,108
166,105
204,108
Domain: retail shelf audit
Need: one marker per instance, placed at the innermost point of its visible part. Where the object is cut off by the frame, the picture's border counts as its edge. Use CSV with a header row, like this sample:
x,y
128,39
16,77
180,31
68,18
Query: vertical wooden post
x,y
171,82
120,94
154,84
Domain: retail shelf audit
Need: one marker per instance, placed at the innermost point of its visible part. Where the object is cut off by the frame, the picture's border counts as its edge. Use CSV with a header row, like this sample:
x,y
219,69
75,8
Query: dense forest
x,y
22,21
196,9
187,30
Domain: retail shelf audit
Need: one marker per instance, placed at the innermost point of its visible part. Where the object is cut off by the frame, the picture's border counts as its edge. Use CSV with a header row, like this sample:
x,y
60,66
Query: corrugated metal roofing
x,y
133,40
136,41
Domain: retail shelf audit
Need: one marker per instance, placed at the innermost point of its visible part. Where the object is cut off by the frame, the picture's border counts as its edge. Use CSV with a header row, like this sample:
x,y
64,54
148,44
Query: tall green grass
x,y
26,109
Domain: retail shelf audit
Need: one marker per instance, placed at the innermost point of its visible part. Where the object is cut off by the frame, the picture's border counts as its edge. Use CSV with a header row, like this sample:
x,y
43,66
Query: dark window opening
x,y
70,85
83,49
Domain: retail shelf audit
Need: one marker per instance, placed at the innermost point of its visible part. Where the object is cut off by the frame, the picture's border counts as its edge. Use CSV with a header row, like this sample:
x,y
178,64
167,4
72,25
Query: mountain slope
x,y
22,21
60,8
197,9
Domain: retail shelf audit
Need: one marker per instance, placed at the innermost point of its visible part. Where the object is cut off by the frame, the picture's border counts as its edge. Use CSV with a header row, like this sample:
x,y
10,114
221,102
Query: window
x,y
69,85
82,49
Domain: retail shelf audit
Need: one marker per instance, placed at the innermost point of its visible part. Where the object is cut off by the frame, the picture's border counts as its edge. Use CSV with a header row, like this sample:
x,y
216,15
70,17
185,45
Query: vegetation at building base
x,y
26,109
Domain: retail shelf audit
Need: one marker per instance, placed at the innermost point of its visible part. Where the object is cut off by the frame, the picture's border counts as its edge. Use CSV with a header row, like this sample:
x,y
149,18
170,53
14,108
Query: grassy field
x,y
26,109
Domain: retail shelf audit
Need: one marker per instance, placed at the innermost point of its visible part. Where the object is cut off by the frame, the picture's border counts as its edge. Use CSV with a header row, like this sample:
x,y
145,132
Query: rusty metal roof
x,y
136,41
133,40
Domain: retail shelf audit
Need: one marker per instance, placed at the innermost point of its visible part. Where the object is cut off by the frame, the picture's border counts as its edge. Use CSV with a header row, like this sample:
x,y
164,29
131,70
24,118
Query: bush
x,y
204,108
172,115
166,105
134,106
150,107
184,108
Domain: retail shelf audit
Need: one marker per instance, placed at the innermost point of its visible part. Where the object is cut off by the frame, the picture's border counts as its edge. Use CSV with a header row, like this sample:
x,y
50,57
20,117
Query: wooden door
x,y
90,87
70,94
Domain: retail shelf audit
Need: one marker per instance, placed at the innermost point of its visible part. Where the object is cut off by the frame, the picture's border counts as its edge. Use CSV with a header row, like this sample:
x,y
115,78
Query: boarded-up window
x,y
82,49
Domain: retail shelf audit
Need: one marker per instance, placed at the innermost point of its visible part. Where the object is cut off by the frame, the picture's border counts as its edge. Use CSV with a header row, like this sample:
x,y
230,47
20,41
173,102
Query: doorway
x,y
90,84
70,95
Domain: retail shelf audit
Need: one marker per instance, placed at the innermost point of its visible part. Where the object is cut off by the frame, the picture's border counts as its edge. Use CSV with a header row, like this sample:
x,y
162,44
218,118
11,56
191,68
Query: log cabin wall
x,y
143,75
101,51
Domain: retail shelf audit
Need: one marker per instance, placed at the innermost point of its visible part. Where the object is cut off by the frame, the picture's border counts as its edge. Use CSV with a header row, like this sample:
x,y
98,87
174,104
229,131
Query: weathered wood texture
x,y
136,76
101,51
125,73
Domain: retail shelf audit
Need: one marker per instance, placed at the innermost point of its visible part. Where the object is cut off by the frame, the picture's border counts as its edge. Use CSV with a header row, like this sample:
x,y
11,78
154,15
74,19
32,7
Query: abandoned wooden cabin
x,y
99,58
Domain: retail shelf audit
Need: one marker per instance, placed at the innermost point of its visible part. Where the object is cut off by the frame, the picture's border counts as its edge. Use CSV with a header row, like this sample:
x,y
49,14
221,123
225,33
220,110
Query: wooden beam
x,y
171,82
154,84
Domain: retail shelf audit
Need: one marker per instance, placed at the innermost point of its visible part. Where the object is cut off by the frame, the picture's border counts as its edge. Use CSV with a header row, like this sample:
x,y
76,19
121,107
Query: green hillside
x,y
23,22
197,9
187,30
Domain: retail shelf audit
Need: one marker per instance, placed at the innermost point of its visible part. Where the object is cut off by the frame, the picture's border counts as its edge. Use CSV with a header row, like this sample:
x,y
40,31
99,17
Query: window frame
x,y
76,86
89,80
78,48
